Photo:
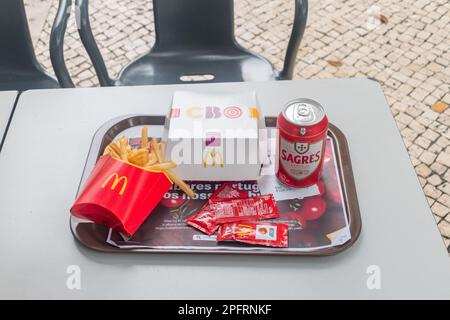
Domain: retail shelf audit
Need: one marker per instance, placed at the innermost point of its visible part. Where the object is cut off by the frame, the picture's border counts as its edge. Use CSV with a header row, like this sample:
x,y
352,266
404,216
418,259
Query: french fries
x,y
149,156
162,149
183,186
115,150
162,166
156,149
144,141
138,157
123,143
151,159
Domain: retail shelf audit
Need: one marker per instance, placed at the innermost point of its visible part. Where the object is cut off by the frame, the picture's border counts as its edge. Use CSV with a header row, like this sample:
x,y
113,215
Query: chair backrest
x,y
193,23
16,47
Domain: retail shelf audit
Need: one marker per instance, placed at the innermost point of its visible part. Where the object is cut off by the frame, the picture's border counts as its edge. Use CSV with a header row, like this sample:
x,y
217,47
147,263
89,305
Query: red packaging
x,y
227,191
120,195
204,220
302,133
256,208
260,233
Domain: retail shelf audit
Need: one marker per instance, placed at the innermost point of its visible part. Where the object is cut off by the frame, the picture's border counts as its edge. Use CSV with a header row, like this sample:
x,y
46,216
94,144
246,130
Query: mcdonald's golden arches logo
x,y
116,181
213,154
246,230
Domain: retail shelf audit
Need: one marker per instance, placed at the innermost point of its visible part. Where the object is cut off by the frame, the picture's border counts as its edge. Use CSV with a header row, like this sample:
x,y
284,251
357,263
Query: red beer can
x,y
302,132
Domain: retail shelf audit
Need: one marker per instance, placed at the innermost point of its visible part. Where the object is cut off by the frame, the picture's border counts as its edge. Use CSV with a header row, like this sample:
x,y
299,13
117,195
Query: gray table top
x,y
7,99
38,185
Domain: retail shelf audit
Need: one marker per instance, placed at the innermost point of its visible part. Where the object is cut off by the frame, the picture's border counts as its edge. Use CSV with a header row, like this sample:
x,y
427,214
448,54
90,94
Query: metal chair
x,y
192,37
19,69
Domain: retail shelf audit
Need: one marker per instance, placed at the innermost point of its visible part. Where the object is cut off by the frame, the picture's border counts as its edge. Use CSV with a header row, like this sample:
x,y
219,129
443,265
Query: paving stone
x,y
446,99
437,219
415,162
447,217
430,135
427,157
438,168
419,94
444,158
408,133
422,170
415,151
434,180
447,176
439,106
432,191
445,200
416,126
444,227
427,123
443,141
440,209
423,142
447,244
445,188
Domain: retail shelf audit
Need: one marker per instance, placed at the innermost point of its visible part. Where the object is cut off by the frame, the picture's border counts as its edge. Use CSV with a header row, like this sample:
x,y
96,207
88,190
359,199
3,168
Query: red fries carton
x,y
120,195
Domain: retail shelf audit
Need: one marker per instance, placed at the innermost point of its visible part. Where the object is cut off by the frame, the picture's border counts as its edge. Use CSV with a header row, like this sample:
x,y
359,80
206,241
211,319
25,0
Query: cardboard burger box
x,y
214,136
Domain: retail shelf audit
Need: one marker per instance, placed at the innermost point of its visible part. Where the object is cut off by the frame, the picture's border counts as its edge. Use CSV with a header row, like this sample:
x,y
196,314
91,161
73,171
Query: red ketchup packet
x,y
259,233
227,191
232,210
204,220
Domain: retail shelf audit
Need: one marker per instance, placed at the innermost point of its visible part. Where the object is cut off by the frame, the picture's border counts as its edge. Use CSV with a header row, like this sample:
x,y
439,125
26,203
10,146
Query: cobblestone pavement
x,y
404,45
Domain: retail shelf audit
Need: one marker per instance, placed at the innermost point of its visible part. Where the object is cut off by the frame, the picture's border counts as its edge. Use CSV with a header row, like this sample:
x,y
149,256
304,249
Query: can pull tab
x,y
303,113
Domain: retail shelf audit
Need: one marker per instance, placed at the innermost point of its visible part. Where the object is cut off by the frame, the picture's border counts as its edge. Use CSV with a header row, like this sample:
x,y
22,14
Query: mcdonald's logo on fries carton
x,y
214,136
120,195
117,179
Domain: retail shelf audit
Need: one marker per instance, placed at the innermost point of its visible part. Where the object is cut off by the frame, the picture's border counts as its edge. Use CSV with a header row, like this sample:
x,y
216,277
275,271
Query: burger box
x,y
215,136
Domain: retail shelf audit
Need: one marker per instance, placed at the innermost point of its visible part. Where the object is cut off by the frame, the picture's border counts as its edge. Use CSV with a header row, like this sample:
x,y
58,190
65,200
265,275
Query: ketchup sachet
x,y
232,210
204,220
227,191
258,233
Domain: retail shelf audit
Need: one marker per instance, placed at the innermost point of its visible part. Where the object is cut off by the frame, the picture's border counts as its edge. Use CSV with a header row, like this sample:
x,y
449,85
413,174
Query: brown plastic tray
x,y
94,236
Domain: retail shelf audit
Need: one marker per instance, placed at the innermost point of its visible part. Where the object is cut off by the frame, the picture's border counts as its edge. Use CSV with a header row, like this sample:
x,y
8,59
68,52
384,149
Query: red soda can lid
x,y
304,112
303,117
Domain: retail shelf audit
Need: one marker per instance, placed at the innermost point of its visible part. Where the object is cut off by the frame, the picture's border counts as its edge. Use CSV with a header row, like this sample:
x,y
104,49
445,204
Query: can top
x,y
304,112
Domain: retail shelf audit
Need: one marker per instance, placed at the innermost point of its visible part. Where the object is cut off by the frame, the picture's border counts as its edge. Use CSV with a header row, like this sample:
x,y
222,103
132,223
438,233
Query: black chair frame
x,y
207,46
